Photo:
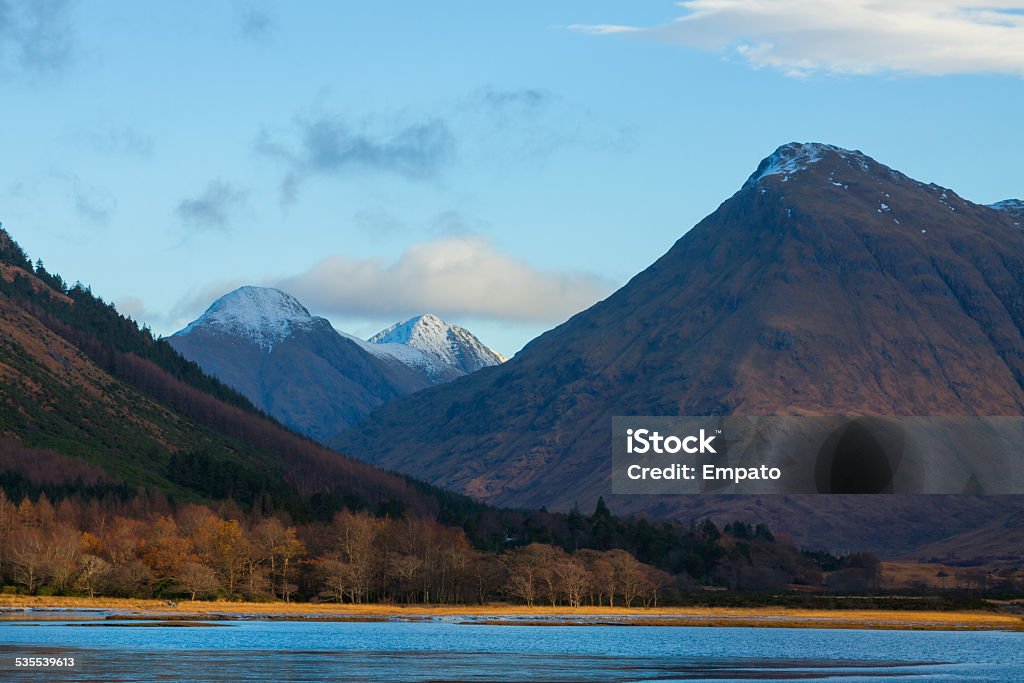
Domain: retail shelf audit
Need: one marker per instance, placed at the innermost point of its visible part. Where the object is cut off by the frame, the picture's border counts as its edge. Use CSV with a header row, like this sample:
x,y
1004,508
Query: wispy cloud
x,y
532,124
455,222
93,205
255,24
36,36
381,223
378,222
91,202
114,140
213,208
330,146
518,100
456,276
853,37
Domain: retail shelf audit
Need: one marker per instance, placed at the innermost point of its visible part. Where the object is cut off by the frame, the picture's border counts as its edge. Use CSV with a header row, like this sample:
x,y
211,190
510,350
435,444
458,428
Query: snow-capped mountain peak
x,y
435,350
434,345
1014,207
421,331
263,315
797,156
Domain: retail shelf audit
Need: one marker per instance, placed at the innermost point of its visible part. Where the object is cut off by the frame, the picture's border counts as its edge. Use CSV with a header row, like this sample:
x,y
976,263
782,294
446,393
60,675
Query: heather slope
x,y
828,284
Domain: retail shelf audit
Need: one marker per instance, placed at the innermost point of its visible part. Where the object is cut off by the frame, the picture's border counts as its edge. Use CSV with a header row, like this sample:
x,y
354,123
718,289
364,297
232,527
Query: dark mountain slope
x,y
110,410
296,367
829,284
290,364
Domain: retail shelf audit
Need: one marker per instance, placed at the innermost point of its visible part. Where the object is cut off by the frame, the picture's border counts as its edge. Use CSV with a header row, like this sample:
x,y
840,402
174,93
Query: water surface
x,y
446,650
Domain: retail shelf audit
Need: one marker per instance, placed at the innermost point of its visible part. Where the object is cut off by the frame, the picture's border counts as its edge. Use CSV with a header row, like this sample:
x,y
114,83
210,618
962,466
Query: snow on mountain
x,y
796,156
263,315
1014,207
426,344
1008,205
429,343
292,365
724,323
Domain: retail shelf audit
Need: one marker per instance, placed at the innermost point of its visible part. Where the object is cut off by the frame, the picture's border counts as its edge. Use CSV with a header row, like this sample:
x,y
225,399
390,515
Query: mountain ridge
x,y
827,284
263,314
315,379
292,365
449,345
95,407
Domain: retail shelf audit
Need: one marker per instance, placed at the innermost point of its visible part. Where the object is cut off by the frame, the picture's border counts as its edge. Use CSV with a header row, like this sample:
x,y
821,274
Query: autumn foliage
x,y
197,553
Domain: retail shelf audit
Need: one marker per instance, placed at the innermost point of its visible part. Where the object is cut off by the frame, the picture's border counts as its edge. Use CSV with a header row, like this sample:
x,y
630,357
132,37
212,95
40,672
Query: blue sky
x,y
501,164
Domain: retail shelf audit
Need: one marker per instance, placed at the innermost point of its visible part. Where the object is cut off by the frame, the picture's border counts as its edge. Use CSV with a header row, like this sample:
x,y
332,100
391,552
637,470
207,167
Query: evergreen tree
x,y
577,525
602,524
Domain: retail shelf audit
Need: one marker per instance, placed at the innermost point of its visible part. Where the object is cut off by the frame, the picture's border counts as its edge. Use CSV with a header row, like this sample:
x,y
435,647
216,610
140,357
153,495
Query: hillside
x,y
92,405
290,364
108,439
828,284
315,380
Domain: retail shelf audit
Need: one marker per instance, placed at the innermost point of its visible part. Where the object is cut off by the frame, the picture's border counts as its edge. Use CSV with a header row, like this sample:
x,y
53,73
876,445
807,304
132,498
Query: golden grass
x,y
908,574
662,616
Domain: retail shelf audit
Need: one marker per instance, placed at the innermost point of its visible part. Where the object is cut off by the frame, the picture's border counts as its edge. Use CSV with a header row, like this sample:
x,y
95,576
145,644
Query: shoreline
x,y
15,608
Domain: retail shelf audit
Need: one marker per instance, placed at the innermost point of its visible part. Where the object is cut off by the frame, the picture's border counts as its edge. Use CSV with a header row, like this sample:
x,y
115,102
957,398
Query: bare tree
x,y
335,578
29,558
278,546
92,570
62,550
657,580
573,578
522,582
354,538
603,574
531,572
632,578
197,579
404,568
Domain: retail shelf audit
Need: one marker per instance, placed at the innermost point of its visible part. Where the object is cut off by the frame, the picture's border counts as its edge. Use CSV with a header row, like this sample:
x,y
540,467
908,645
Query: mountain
x,y
442,350
105,429
1013,207
828,284
261,315
293,366
93,408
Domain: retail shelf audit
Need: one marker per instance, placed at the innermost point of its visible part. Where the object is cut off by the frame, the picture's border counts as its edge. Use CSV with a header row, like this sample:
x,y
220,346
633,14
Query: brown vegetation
x,y
196,553
799,295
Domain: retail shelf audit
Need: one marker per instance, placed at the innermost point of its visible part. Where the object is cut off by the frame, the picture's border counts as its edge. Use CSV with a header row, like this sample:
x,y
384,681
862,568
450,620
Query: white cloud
x,y
193,303
800,37
456,276
131,306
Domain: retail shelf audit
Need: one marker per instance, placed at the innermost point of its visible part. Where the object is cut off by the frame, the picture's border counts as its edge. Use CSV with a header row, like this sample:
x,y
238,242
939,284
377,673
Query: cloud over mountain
x,y
801,37
454,275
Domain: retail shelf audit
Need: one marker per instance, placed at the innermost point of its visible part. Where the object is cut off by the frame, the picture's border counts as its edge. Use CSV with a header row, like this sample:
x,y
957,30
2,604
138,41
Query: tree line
x,y
358,557
76,547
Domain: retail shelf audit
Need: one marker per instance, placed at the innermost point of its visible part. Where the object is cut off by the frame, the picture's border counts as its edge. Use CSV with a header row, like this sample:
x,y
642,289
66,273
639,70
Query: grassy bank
x,y
777,617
